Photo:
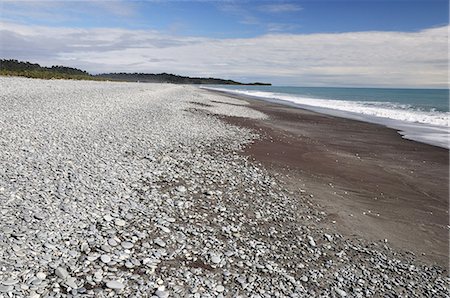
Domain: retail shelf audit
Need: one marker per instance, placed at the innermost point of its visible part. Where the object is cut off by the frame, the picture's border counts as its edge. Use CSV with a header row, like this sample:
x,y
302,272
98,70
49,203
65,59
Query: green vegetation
x,y
32,70
168,78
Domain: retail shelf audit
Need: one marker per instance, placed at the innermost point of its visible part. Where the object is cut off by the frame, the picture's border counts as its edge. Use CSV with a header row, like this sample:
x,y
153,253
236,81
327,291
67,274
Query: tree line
x,y
14,67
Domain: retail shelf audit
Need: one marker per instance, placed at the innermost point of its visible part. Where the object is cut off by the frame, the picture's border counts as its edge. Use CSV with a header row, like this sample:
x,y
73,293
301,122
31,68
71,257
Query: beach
x,y
132,189
373,183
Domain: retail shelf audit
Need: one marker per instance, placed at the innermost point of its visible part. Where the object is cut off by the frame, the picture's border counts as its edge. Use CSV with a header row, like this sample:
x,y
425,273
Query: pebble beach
x,y
141,190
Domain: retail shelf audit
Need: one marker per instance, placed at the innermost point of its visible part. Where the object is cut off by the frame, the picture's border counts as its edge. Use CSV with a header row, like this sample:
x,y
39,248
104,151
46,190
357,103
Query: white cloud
x,y
280,8
63,11
281,27
409,59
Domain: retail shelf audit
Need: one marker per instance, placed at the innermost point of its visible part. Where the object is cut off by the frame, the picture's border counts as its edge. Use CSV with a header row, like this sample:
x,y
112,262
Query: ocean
x,y
418,114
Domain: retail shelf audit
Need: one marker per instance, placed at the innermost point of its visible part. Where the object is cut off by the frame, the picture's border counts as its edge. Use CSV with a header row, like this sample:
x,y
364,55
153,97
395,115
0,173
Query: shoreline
x,y
426,133
373,183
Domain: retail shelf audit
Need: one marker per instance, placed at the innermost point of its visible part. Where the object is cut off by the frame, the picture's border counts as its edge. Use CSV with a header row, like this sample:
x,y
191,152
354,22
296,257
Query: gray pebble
x,y
5,289
9,282
159,242
120,222
127,245
114,284
105,258
61,272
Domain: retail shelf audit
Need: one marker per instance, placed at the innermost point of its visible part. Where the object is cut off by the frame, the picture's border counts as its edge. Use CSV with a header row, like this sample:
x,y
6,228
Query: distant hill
x,y
33,70
168,78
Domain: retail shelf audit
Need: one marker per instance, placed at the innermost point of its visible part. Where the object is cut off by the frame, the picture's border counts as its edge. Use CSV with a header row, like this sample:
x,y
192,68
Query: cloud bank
x,y
392,59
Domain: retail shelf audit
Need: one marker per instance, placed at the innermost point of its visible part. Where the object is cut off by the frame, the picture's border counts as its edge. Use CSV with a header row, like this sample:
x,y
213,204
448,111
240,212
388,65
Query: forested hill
x,y
34,70
168,78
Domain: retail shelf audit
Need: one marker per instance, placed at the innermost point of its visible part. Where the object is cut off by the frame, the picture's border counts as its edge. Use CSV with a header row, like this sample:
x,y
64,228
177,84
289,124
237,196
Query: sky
x,y
363,43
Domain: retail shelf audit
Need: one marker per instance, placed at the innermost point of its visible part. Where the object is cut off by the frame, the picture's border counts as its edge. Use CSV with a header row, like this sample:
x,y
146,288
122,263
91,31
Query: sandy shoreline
x,y
373,183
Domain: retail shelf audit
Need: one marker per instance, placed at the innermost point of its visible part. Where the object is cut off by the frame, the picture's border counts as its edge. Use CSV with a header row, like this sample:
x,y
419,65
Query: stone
x,y
39,216
9,282
61,272
41,275
6,289
8,230
220,288
112,242
127,245
215,259
92,258
164,229
107,217
161,292
98,276
115,284
159,242
340,292
181,188
120,222
85,247
71,282
311,241
105,258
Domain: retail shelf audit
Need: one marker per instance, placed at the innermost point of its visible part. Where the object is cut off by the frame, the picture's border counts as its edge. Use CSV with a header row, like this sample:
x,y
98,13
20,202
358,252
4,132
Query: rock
x,y
159,242
6,289
215,259
220,288
112,242
105,258
340,292
120,222
161,292
84,247
61,272
127,245
164,229
9,282
107,217
92,257
115,284
304,278
8,230
71,282
39,216
41,275
311,241
181,188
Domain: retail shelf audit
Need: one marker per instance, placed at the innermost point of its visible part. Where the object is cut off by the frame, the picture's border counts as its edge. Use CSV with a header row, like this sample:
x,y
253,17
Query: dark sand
x,y
372,183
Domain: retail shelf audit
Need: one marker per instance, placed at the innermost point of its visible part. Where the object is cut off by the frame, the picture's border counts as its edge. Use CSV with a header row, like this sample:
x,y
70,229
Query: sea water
x,y
418,114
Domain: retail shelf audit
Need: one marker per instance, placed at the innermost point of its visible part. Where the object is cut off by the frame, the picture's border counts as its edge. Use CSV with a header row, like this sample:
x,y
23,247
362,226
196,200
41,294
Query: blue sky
x,y
233,18
217,27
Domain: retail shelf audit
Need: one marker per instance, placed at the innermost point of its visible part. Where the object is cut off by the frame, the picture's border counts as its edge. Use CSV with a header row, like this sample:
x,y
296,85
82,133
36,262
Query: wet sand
x,y
372,183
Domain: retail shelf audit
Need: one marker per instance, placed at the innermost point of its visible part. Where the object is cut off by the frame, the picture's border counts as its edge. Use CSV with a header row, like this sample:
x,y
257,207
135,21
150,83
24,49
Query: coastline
x,y
433,131
373,183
